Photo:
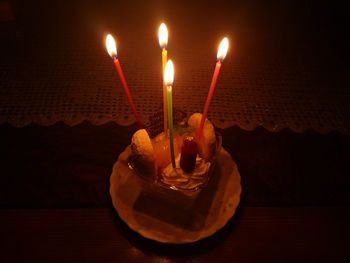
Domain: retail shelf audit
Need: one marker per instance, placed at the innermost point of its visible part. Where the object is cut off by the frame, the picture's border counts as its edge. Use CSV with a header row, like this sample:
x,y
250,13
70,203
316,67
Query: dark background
x,y
283,168
55,179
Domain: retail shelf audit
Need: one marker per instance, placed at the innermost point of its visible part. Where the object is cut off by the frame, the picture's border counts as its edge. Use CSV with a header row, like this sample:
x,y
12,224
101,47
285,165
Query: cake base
x,y
170,216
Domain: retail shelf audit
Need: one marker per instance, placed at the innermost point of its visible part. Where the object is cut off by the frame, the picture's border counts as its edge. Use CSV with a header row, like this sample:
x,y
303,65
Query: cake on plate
x,y
176,205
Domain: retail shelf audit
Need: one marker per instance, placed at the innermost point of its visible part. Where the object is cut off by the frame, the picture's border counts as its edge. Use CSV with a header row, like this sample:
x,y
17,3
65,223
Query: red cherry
x,y
189,151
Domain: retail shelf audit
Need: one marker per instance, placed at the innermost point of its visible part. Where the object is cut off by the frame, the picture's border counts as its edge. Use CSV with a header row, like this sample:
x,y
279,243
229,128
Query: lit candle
x,y
163,42
112,51
168,81
220,57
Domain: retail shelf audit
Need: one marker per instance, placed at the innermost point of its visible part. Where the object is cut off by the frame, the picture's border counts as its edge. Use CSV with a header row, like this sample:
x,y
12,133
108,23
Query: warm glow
x,y
169,73
111,46
222,49
163,35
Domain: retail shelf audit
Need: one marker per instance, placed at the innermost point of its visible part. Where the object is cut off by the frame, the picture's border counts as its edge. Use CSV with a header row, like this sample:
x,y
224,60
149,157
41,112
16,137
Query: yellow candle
x,y
163,41
165,101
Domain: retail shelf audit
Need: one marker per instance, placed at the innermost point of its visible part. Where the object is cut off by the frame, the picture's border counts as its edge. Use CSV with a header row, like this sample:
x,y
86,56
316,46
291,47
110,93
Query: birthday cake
x,y
194,155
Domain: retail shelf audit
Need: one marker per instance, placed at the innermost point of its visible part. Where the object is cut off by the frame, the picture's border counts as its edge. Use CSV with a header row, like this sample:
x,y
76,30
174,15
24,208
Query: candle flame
x,y
163,36
111,46
169,73
223,47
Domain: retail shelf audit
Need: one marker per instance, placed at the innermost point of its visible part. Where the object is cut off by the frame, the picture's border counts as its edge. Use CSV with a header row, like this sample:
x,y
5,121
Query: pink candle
x,y
220,57
112,50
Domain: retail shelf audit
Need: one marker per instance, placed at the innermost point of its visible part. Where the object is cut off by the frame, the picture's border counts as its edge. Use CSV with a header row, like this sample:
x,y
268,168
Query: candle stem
x,y
126,89
209,97
165,103
170,122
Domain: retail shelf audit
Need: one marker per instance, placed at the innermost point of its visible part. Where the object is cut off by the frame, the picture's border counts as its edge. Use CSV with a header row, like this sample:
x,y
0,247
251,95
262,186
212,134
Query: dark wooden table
x,y
56,206
256,234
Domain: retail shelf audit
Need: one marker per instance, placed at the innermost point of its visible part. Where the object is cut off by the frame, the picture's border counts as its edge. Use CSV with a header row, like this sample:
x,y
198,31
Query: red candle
x,y
209,97
220,57
112,50
126,89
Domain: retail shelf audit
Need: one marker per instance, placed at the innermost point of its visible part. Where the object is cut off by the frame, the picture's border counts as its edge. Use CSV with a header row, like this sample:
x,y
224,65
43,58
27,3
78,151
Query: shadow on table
x,y
181,250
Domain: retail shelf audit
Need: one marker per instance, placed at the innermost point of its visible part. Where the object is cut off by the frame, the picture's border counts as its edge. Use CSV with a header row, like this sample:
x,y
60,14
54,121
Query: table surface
x,y
54,191
56,206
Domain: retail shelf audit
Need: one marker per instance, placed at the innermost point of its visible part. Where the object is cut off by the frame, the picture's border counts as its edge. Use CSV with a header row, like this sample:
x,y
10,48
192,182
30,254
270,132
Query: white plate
x,y
168,216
